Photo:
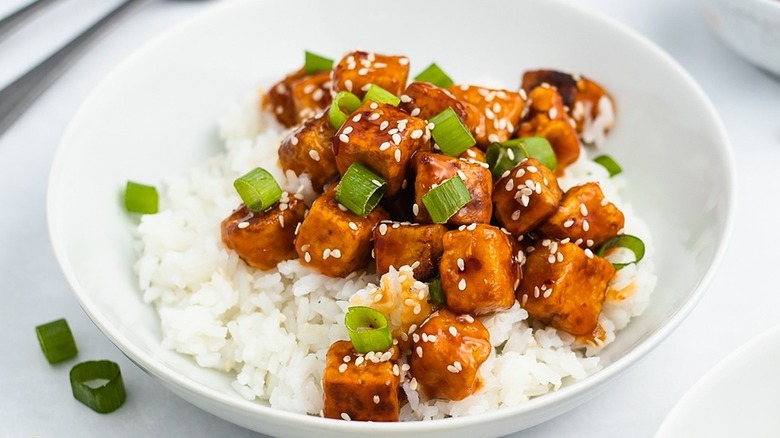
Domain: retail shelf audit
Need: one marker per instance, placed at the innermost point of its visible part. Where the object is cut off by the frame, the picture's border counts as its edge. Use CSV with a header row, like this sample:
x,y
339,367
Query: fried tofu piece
x,y
308,150
311,94
498,112
447,351
478,270
382,138
547,117
334,240
398,244
525,196
585,217
565,286
263,239
433,169
279,99
425,100
357,70
588,103
357,388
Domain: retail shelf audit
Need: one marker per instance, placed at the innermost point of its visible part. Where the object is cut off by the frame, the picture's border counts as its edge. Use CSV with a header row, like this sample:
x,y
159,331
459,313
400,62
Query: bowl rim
x,y
147,362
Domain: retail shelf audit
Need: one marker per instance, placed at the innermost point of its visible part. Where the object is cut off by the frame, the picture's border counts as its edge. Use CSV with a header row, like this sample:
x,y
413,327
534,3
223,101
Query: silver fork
x,y
20,94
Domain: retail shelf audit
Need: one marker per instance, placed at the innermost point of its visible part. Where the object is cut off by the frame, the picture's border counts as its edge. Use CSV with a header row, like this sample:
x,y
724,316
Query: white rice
x,y
271,330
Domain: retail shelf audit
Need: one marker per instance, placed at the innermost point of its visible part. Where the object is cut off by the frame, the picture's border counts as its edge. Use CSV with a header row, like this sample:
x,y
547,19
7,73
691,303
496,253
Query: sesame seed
x,y
551,259
532,169
314,155
410,302
568,223
403,61
336,253
397,139
413,382
553,113
510,153
242,225
378,298
547,293
417,309
345,416
307,257
283,206
452,369
524,300
346,358
583,209
461,264
398,155
318,94
588,253
353,226
506,173
359,360
415,209
472,227
468,318
559,256
325,253
589,242
462,284
357,117
417,133
342,207
493,138
453,331
373,105
415,112
344,138
342,367
585,225
419,351
536,291
510,184
363,71
415,337
524,199
405,98
376,397
382,229
348,84
384,125
516,215
384,146
294,140
281,221
374,116
457,365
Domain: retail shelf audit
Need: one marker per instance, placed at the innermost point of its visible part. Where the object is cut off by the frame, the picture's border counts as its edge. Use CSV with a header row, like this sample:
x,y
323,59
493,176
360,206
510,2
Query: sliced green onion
x,y
436,293
368,329
504,156
360,189
450,134
258,189
98,384
315,63
627,241
444,200
611,165
344,100
435,75
378,94
140,198
56,341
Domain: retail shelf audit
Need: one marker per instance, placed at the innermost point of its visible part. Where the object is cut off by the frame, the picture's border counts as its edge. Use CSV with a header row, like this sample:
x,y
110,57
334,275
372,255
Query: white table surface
x,y
741,303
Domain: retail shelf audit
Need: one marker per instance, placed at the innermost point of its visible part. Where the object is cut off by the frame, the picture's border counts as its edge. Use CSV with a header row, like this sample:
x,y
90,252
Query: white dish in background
x,y
749,27
154,116
738,397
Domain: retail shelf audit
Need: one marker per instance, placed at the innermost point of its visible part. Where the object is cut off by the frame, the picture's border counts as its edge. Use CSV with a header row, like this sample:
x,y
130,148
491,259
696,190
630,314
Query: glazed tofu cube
x,y
334,240
547,117
499,112
398,244
382,138
447,351
478,270
308,150
357,388
564,286
266,238
525,196
433,169
425,100
357,70
311,95
585,217
279,99
588,103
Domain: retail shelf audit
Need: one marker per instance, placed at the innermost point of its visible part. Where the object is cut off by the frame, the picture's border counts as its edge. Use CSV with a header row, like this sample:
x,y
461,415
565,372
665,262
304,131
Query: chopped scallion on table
x,y
141,198
368,329
258,189
344,100
99,385
360,189
56,341
444,200
449,133
434,75
315,63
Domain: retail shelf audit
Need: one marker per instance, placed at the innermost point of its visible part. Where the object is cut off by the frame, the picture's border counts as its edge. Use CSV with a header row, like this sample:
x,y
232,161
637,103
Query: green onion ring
x,y
141,198
611,165
343,100
360,189
449,133
99,385
444,200
378,94
368,329
315,63
632,243
258,189
56,341
435,75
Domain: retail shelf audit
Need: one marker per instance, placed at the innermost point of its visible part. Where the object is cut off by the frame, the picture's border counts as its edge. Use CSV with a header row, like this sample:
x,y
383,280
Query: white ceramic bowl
x,y
749,27
154,117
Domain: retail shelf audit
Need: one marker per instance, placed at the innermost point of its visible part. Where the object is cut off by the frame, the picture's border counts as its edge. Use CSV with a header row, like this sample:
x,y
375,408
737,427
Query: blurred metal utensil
x,y
17,97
